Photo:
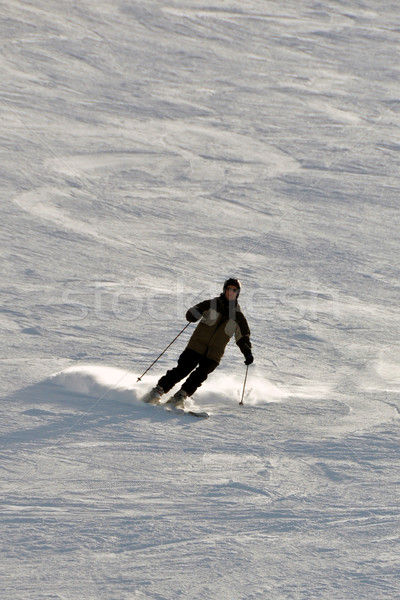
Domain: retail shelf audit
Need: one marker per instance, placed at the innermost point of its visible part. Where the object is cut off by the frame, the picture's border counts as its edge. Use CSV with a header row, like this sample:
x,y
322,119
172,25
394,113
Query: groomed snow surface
x,y
149,150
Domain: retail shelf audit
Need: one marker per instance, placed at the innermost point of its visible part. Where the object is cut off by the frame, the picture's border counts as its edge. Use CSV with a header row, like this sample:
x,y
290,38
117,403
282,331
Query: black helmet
x,y
234,282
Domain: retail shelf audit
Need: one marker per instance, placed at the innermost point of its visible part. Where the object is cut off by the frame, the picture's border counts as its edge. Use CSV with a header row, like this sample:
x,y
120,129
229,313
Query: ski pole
x,y
158,357
244,385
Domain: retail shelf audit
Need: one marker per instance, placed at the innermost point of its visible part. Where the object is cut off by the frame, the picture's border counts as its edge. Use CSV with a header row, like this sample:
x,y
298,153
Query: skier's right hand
x,y
190,317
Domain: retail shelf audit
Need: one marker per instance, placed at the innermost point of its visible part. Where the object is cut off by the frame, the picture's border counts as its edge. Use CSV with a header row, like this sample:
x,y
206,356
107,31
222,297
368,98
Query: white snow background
x,y
149,150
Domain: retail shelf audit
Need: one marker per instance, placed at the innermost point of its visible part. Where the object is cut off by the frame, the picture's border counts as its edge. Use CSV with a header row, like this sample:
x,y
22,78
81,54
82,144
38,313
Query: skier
x,y
221,318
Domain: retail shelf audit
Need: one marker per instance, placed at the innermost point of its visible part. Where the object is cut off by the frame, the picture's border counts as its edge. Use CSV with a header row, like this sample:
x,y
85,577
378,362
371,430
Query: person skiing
x,y
221,318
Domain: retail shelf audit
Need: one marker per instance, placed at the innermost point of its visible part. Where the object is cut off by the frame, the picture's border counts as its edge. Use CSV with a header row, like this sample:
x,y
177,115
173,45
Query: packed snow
x,y
150,150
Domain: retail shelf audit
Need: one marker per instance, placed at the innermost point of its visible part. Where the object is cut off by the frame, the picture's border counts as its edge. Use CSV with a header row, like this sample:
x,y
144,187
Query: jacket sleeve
x,y
242,335
196,312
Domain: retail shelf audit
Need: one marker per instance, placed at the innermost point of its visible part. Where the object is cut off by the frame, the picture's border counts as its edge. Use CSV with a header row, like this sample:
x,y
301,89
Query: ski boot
x,y
178,399
154,396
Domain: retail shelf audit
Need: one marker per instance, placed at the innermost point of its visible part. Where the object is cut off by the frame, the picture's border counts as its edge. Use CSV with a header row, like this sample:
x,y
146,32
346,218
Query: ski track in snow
x,y
149,151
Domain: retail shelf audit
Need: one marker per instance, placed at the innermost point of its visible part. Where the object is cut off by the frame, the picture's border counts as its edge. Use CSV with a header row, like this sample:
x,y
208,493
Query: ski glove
x,y
249,358
191,317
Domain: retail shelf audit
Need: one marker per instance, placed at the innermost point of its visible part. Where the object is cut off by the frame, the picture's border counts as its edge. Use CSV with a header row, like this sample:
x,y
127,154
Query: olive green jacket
x,y
220,320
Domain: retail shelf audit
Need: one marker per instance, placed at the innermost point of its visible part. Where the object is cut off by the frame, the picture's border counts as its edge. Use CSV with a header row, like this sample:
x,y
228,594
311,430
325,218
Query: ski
x,y
183,411
175,410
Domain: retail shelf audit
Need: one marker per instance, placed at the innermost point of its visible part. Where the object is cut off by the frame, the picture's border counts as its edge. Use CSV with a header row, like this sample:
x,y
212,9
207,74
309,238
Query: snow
x,y
150,150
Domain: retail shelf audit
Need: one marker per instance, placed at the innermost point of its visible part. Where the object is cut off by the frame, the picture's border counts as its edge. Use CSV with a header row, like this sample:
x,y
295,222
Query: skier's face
x,y
231,292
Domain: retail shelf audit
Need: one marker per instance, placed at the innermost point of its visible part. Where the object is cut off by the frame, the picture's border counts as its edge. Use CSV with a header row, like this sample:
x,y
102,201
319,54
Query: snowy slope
x,y
149,150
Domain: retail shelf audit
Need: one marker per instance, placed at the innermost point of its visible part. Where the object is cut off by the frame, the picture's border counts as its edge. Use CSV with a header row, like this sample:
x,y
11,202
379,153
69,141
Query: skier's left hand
x,y
249,359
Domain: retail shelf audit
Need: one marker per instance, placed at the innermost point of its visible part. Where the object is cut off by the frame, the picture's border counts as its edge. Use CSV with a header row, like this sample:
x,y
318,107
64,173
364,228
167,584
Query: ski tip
x,y
200,415
185,412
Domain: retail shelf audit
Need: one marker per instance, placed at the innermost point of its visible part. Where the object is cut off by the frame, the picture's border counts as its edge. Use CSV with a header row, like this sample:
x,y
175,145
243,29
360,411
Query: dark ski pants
x,y
188,361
